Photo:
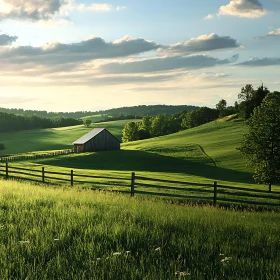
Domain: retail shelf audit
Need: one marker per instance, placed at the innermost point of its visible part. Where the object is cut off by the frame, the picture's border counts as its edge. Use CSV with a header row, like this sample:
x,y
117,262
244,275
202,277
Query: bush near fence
x,y
187,191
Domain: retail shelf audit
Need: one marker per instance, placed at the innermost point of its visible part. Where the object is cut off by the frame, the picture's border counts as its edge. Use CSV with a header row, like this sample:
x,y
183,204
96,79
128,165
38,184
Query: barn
x,y
98,139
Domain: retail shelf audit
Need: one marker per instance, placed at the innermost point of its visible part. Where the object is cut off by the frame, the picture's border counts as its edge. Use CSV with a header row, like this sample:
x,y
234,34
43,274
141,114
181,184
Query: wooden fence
x,y
188,191
42,175
36,156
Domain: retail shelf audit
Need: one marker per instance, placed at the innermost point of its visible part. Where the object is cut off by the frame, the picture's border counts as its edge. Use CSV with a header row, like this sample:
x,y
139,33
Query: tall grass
x,y
63,233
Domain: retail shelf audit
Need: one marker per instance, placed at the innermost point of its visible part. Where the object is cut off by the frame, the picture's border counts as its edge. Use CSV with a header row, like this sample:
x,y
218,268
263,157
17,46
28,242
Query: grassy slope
x,y
204,153
62,233
52,139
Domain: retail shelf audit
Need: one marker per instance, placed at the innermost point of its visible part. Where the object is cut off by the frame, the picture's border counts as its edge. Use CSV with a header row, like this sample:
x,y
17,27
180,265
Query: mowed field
x,y
68,233
53,138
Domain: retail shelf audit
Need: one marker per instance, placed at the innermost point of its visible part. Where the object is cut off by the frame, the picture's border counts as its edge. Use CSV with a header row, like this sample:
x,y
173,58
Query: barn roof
x,y
91,135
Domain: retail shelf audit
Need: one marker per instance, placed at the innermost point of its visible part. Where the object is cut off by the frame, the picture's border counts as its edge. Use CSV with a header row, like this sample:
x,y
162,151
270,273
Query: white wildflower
x,y
226,260
24,242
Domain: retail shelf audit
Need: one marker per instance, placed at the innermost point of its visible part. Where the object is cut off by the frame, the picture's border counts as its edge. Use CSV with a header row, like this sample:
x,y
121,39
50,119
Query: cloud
x,y
61,57
209,17
45,10
95,7
30,9
258,62
164,64
7,39
119,8
203,43
275,33
243,8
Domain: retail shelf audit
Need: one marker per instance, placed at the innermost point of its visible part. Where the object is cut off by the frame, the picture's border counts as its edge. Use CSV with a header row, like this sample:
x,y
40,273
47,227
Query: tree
x,y
87,122
262,144
250,99
130,132
221,107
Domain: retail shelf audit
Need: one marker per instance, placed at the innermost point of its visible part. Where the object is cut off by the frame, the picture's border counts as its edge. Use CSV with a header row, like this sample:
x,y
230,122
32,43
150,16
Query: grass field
x,y
204,153
20,142
62,233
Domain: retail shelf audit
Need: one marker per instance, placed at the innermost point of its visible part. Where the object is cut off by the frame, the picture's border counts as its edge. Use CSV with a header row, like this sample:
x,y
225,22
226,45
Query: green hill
x,y
207,152
51,139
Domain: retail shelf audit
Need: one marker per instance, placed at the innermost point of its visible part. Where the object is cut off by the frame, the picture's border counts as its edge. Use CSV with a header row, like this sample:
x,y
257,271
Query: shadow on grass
x,y
135,160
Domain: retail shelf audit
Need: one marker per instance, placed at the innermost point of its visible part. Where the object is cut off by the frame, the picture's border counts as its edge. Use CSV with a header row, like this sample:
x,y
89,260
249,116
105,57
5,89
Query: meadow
x,y
62,233
20,142
202,154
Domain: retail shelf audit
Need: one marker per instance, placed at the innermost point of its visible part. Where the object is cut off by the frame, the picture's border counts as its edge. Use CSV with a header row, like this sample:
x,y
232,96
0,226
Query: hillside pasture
x,y
203,153
63,233
20,142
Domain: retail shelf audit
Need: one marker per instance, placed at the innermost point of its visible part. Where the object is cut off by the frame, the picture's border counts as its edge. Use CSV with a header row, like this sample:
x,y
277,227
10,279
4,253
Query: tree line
x,y
163,124
110,114
11,122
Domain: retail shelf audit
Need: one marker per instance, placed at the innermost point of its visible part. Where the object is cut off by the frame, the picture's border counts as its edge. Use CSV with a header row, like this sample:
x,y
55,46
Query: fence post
x,y
132,183
43,174
7,170
72,177
215,194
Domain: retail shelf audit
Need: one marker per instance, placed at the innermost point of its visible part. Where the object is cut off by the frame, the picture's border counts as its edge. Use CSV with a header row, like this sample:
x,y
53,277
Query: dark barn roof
x,y
91,135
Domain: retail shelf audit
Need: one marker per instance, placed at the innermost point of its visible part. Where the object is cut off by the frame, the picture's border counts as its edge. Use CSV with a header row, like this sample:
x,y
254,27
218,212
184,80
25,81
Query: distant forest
x,y
11,122
140,111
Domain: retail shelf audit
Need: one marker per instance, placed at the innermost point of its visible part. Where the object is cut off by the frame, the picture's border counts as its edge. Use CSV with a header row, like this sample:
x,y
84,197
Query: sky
x,y
87,55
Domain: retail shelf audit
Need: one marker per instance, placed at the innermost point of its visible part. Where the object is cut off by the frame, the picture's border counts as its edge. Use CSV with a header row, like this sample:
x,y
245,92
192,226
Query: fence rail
x,y
36,156
190,191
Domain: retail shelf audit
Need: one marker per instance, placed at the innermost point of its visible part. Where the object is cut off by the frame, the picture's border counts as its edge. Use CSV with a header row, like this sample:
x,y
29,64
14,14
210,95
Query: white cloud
x,y
243,8
119,8
275,32
203,43
30,9
95,7
209,17
49,10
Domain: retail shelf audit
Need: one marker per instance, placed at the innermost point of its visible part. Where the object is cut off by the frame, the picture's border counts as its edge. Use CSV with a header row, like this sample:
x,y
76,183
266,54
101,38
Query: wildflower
x,y
128,252
182,273
157,249
117,253
226,260
24,242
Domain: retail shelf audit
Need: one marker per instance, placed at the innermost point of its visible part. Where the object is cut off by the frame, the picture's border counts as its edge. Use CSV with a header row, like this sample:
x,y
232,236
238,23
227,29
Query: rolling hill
x,y
207,152
53,138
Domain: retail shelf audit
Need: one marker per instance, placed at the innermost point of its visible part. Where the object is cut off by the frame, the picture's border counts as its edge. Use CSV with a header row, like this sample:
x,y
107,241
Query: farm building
x,y
98,139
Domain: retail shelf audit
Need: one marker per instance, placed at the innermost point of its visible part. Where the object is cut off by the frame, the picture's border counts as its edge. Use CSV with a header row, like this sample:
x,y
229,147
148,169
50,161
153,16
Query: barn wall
x,y
78,148
103,141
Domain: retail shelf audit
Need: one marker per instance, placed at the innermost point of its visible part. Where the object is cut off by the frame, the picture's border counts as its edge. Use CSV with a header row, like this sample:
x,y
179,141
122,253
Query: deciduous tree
x,y
262,144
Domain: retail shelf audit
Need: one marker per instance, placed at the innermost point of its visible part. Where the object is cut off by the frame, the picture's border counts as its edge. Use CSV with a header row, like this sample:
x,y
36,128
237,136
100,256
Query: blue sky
x,y
67,55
